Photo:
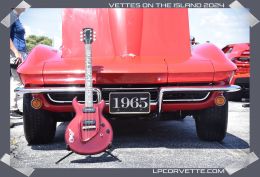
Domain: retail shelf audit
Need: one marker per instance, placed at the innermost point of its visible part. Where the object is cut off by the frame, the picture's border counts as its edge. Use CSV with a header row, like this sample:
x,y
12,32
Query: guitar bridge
x,y
89,125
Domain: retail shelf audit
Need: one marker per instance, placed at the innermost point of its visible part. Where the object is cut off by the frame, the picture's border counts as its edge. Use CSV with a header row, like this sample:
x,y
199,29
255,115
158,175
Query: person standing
x,y
17,55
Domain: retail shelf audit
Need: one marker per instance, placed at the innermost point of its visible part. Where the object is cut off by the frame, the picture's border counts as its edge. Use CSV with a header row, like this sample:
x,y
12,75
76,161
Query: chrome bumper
x,y
230,88
23,90
162,90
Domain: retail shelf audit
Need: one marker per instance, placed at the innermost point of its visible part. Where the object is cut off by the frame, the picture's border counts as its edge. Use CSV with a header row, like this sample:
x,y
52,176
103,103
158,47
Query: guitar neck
x,y
88,76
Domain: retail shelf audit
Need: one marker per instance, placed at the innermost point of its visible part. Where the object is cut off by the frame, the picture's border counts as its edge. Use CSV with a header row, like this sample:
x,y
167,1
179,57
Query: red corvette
x,y
142,64
240,55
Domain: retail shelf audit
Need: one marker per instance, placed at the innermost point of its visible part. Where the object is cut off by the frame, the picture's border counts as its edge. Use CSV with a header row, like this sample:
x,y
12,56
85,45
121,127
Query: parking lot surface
x,y
143,144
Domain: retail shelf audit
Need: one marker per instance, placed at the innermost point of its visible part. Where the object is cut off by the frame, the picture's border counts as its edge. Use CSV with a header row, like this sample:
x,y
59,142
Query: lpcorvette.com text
x,y
188,170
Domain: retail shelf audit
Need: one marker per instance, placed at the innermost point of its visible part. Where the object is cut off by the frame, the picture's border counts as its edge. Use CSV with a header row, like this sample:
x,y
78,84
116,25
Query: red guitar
x,y
88,132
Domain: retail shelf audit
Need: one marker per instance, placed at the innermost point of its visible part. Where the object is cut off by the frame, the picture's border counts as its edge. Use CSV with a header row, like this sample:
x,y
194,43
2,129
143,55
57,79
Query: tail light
x,y
240,59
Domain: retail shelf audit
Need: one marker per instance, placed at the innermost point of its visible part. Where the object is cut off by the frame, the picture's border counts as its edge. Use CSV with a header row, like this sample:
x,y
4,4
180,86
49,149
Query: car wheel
x,y
211,123
39,125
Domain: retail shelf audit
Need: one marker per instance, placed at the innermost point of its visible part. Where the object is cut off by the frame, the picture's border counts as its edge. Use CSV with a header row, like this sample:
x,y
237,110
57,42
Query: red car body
x,y
240,55
136,49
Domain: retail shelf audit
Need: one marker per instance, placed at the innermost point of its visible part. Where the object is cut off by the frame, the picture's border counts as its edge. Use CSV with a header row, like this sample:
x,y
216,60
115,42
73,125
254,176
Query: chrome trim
x,y
23,90
57,101
153,102
229,88
231,77
113,89
193,100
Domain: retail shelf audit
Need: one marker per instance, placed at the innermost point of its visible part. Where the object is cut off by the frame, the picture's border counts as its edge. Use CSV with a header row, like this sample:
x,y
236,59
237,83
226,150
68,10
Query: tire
x,y
211,123
39,125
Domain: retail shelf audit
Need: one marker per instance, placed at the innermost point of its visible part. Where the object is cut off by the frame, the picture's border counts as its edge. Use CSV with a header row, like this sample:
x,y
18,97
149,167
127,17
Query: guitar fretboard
x,y
88,76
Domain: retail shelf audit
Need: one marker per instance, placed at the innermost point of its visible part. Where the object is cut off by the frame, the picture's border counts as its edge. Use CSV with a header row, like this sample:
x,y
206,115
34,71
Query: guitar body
x,y
82,137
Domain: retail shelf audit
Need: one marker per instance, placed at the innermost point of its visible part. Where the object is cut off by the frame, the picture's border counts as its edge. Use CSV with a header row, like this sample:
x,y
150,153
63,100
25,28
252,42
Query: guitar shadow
x,y
104,157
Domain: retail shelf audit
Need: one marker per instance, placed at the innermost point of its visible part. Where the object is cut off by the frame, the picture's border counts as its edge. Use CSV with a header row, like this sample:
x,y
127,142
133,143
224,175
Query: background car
x,y
240,55
143,52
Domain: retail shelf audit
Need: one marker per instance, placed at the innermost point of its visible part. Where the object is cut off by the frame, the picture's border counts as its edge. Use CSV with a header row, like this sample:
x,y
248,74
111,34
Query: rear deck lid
x,y
107,71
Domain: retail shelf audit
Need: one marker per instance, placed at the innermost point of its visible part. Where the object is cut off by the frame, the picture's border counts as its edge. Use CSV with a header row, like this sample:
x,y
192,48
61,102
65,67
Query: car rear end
x,y
142,64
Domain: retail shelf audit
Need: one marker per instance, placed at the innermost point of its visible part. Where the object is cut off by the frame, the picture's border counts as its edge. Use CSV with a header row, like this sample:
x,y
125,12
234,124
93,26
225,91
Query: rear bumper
x,y
164,90
160,104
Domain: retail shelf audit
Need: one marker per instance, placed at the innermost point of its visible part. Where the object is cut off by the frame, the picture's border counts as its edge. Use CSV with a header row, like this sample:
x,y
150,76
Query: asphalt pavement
x,y
142,144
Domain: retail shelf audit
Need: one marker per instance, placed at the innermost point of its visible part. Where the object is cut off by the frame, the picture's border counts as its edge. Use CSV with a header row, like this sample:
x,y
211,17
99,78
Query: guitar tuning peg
x,y
95,32
81,35
81,32
81,39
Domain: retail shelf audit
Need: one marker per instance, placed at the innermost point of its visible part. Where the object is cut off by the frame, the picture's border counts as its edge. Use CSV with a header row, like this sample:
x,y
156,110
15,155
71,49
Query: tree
x,y
33,40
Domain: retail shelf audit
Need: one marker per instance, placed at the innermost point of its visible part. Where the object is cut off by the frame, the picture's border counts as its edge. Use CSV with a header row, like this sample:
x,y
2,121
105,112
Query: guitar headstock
x,y
87,35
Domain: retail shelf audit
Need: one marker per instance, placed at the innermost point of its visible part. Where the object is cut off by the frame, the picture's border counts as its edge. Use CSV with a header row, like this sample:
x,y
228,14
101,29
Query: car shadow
x,y
169,134
152,134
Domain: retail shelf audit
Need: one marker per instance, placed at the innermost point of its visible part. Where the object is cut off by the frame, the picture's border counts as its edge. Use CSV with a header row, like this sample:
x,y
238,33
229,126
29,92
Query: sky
x,y
43,21
219,26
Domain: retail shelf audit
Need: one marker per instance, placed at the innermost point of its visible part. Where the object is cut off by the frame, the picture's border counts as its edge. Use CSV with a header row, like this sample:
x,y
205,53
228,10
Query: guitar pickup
x,y
89,122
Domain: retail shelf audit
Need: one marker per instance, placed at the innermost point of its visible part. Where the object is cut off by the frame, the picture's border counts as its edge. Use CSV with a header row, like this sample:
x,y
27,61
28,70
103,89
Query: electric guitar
x,y
88,132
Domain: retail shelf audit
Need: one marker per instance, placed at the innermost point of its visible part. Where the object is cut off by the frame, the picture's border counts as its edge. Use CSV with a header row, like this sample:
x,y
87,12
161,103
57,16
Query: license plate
x,y
129,102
